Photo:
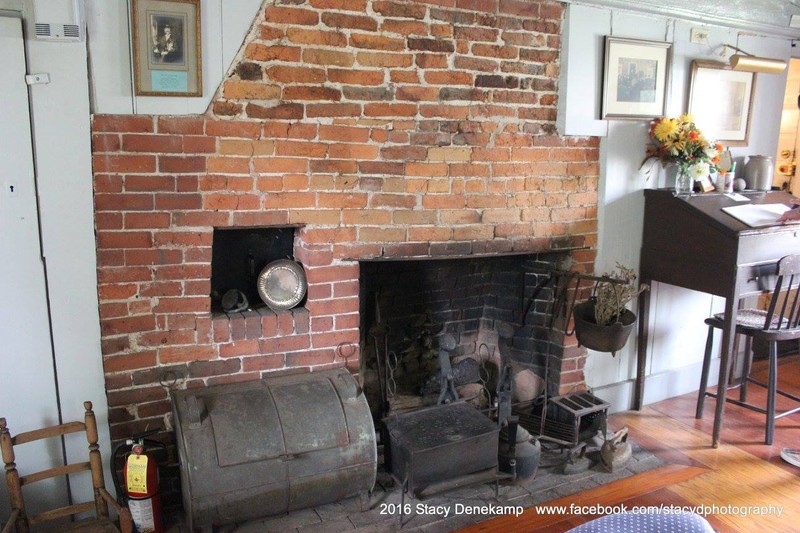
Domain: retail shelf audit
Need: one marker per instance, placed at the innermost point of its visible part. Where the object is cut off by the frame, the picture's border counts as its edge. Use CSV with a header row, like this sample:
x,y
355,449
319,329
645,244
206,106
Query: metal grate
x,y
42,29
72,30
564,415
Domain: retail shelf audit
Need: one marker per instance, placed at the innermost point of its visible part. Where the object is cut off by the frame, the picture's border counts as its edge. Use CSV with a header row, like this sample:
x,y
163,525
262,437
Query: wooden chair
x,y
780,322
19,518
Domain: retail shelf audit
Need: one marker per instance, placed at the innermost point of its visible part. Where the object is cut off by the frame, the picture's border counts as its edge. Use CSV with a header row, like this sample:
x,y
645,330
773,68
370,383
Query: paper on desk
x,y
755,215
736,197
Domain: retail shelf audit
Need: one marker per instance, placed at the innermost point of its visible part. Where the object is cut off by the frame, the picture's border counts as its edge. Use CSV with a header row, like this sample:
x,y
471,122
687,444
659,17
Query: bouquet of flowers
x,y
679,141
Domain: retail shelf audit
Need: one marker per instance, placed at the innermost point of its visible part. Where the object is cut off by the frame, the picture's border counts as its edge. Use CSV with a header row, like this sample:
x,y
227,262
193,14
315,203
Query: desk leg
x,y
726,357
641,345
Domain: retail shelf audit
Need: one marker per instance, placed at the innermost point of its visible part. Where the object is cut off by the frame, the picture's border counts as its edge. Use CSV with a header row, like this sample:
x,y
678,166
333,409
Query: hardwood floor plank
x,y
743,428
737,477
742,473
611,494
668,497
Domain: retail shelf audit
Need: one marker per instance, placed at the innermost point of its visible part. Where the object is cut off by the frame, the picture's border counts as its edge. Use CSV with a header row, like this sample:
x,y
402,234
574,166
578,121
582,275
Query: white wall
x,y
677,329
60,116
59,113
28,393
224,26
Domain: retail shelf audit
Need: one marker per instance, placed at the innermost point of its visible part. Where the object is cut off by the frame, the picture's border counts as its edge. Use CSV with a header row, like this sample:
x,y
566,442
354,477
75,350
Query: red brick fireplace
x,y
377,130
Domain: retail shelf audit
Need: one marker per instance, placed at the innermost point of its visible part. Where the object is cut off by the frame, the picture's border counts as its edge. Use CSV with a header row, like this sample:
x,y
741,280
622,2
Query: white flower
x,y
711,152
699,170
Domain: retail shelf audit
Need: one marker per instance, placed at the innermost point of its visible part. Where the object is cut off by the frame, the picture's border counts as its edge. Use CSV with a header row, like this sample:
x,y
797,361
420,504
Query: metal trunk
x,y
267,447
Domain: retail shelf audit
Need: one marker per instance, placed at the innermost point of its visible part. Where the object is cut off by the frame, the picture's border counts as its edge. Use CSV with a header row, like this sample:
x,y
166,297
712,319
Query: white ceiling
x,y
774,12
759,16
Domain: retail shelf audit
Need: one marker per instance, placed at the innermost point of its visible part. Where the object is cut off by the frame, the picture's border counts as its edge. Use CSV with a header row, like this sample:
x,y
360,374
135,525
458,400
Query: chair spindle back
x,y
783,312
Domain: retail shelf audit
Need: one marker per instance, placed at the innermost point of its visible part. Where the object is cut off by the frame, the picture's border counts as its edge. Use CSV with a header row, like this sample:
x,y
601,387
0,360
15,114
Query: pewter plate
x,y
282,284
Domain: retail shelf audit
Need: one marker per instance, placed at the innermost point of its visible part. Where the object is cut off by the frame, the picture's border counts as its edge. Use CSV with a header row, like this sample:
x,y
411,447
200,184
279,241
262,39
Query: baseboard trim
x,y
657,387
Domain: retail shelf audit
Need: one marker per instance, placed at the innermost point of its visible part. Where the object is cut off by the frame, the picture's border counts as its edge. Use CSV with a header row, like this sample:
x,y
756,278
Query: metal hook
x,y
340,349
391,366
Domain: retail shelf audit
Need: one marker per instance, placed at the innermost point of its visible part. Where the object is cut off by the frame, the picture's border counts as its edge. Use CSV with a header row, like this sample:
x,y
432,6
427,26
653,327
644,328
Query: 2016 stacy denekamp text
x,y
450,510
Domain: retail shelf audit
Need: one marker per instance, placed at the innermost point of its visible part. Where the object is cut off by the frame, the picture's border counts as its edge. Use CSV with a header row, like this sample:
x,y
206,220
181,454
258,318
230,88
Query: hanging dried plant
x,y
612,297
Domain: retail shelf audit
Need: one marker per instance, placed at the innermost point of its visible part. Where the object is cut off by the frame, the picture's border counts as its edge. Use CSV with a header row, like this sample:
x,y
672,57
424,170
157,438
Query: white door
x,y
28,396
787,155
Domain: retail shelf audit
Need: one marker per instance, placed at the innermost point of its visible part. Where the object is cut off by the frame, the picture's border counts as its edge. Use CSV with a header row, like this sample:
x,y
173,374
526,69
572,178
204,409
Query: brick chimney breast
x,y
373,128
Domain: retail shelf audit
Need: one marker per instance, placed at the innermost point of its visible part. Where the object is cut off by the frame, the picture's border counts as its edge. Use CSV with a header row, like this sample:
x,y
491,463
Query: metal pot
x,y
598,337
526,456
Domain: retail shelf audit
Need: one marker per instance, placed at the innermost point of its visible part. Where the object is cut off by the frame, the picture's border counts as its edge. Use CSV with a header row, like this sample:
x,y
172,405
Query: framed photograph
x,y
166,48
635,78
705,184
720,100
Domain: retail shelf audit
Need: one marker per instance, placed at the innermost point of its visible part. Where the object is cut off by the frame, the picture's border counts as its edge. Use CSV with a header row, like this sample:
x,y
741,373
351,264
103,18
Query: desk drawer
x,y
769,246
758,278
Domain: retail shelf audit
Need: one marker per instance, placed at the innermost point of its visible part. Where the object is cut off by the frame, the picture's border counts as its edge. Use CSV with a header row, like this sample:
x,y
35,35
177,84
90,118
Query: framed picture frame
x,y
167,58
705,184
636,77
721,100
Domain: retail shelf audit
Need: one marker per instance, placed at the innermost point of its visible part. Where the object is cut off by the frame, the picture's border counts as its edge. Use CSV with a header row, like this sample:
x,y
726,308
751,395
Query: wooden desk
x,y
690,242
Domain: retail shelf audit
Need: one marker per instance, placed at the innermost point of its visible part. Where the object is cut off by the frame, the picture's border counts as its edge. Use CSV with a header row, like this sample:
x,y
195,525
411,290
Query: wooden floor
x,y
743,472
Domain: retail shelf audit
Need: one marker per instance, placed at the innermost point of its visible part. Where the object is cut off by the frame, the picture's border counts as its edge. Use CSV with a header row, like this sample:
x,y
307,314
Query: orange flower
x,y
678,140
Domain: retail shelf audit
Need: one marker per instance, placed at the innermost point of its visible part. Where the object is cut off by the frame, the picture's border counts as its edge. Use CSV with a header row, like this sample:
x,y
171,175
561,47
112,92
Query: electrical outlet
x,y
698,36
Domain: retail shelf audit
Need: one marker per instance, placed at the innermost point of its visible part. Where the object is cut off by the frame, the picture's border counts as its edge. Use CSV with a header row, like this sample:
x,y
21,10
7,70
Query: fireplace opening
x,y
237,257
482,312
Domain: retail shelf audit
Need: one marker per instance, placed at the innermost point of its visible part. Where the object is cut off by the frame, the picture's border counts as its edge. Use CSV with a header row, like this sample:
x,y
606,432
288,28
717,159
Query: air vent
x,y
59,20
72,30
43,30
58,32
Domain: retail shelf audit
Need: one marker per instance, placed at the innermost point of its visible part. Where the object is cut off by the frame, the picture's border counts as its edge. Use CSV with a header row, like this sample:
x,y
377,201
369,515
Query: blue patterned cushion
x,y
753,318
652,522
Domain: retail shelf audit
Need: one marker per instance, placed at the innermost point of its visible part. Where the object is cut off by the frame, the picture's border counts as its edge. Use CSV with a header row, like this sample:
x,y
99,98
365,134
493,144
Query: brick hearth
x,y
378,129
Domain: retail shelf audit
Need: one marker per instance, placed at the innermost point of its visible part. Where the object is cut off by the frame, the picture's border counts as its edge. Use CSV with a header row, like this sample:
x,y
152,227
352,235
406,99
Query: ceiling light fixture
x,y
750,63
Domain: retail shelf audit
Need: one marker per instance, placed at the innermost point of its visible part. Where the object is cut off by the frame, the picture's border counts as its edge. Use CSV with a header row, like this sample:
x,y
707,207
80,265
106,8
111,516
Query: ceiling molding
x,y
673,11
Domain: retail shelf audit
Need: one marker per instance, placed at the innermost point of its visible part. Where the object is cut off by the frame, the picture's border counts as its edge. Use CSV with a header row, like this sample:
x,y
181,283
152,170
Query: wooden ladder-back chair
x,y
779,322
21,522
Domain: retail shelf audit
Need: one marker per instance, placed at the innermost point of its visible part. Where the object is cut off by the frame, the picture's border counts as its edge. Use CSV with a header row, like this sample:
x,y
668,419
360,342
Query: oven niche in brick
x,y
237,257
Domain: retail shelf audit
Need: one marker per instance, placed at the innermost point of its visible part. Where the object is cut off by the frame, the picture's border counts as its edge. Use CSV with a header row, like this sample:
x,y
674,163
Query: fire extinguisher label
x,y
137,473
142,514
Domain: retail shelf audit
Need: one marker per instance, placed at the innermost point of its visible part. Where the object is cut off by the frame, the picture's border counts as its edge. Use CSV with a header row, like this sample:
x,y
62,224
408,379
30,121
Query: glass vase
x,y
683,182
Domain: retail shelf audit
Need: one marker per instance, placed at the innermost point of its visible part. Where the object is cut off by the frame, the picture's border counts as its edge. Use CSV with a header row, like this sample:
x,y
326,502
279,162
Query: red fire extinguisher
x,y
140,484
